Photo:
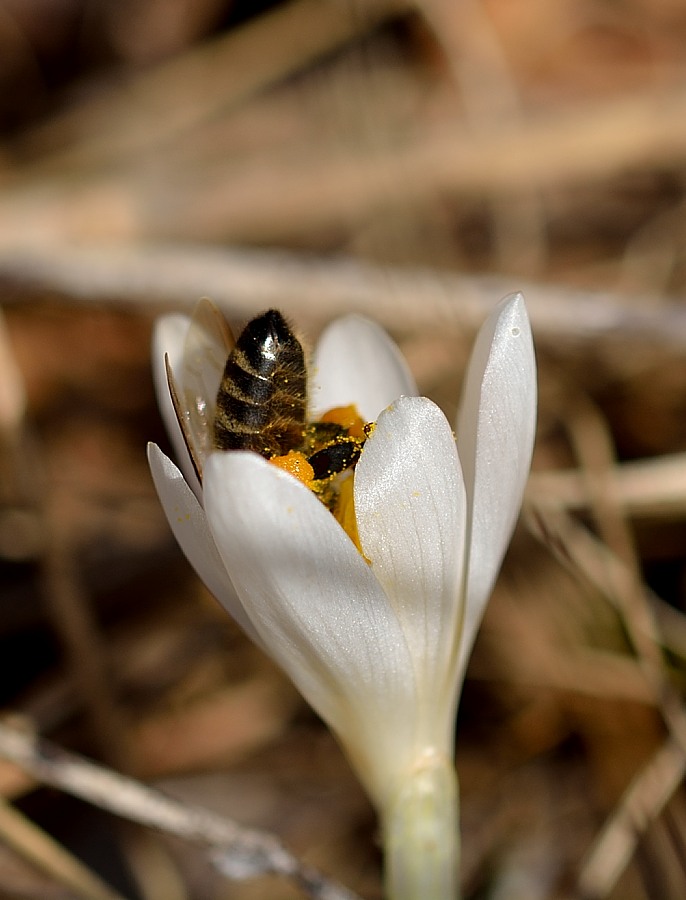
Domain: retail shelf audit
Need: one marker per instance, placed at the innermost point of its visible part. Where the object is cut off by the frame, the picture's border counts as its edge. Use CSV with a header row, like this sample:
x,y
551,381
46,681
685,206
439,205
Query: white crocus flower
x,y
378,644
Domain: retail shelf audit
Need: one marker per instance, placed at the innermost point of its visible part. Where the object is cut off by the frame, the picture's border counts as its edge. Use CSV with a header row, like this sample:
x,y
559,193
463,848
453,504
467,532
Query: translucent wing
x,y
182,417
208,343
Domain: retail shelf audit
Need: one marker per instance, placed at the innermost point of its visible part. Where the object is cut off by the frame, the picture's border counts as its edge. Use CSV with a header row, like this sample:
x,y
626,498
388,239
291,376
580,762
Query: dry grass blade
x,y
620,583
390,151
73,618
642,803
584,555
592,443
315,191
47,855
237,852
480,70
654,786
205,81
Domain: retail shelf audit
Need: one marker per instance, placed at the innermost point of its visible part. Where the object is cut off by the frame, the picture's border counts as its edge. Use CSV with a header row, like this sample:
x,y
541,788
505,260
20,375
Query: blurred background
x,y
414,161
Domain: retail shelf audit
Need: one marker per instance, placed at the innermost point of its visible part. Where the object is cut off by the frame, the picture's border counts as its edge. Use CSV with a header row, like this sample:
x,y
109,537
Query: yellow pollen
x,y
296,464
347,417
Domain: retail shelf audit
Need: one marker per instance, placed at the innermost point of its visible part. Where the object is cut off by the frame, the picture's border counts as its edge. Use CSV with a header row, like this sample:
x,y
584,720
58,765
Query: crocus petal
x,y
411,511
357,362
189,524
495,436
317,606
168,338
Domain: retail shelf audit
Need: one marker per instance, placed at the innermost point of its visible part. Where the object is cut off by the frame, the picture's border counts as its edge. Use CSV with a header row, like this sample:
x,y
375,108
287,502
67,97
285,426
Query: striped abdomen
x,y
262,398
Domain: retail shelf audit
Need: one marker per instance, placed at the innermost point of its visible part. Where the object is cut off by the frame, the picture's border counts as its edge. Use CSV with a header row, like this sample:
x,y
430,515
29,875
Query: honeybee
x,y
261,399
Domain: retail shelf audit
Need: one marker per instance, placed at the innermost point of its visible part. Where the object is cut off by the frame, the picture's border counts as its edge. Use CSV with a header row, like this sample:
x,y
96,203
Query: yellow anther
x,y
347,417
344,512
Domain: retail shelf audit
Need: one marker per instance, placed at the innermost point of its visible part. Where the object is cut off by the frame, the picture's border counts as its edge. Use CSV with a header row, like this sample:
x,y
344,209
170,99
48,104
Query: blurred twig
x,y
275,198
12,391
245,281
648,488
237,852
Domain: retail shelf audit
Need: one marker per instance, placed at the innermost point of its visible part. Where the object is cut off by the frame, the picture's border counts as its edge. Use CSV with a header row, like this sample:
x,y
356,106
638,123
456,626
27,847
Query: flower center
x,y
325,464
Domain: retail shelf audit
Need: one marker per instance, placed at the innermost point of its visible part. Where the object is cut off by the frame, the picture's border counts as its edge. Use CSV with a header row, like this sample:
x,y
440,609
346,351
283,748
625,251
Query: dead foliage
x,y
414,161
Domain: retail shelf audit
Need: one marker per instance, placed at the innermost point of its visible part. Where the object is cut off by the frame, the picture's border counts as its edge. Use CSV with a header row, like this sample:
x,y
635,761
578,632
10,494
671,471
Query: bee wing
x,y
208,343
182,416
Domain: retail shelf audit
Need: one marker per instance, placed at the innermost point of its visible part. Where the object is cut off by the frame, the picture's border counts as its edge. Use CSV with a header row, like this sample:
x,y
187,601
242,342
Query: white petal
x,y
317,606
357,362
411,513
189,524
495,436
168,337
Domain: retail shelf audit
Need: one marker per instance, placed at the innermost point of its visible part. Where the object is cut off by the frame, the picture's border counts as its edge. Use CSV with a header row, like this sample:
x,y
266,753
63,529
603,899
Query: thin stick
x,y
235,851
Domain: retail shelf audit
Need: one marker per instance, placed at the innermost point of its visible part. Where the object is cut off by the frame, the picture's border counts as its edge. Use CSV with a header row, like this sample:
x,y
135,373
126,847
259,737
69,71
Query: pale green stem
x,y
421,833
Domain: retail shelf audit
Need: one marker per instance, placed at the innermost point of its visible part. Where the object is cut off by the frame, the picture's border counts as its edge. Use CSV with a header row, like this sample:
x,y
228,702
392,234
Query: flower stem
x,y
421,834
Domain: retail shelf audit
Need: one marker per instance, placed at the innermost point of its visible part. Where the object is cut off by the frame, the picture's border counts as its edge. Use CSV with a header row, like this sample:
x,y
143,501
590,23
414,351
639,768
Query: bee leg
x,y
335,458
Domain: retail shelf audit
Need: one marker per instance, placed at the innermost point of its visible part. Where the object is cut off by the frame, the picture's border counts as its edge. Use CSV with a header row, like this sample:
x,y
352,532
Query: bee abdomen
x,y
262,398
